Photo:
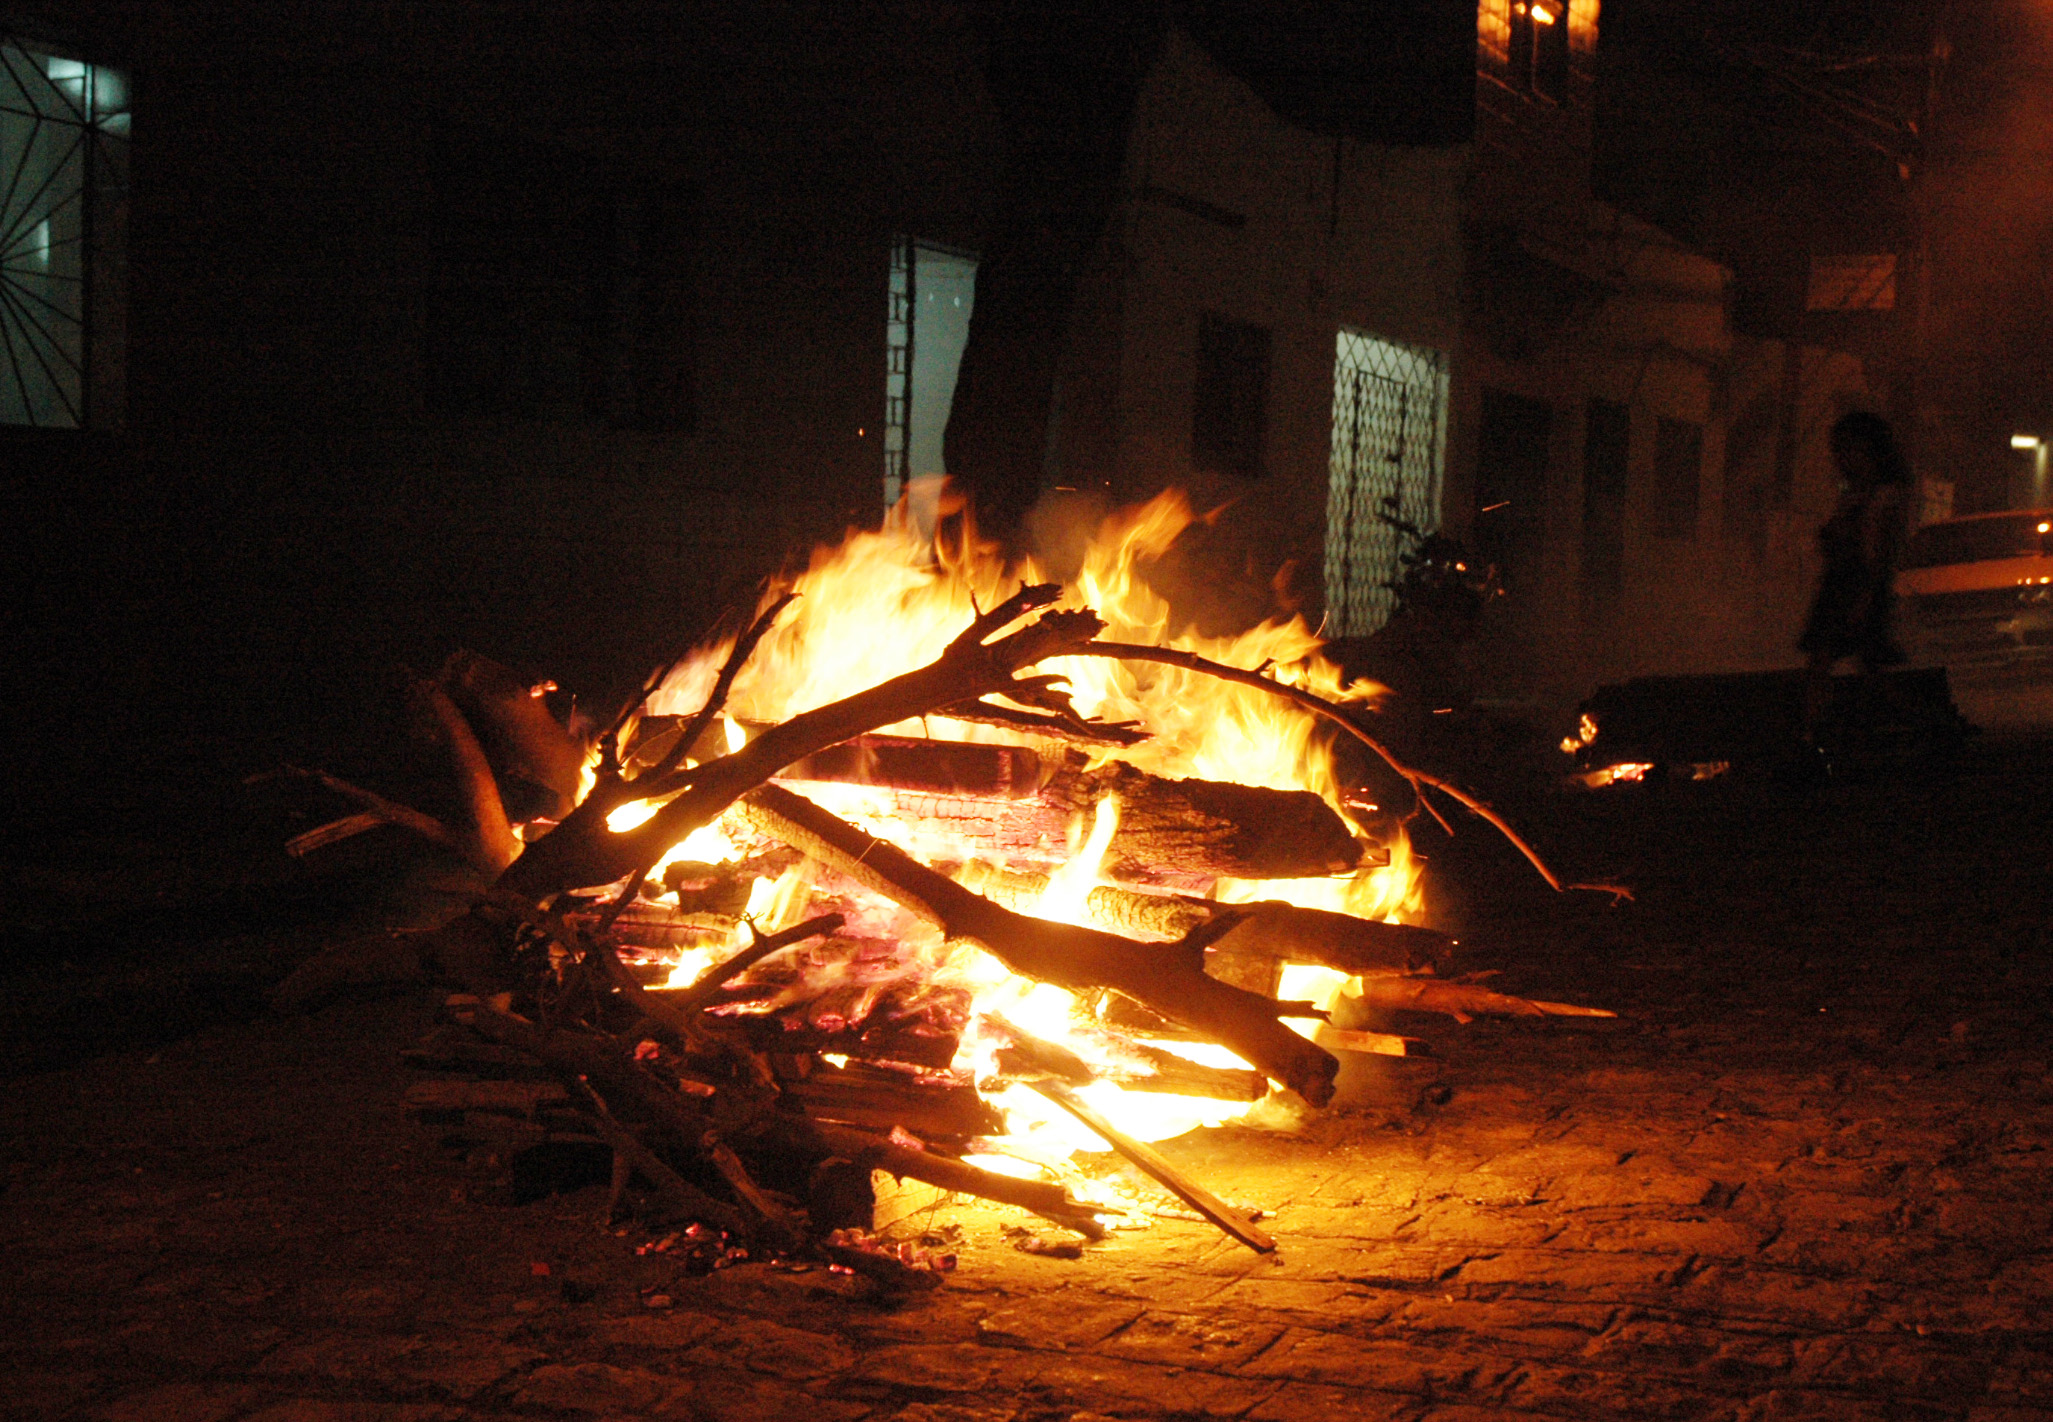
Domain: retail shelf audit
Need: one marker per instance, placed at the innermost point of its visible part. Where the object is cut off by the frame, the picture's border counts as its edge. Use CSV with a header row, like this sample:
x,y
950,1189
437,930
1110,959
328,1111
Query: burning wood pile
x,y
886,881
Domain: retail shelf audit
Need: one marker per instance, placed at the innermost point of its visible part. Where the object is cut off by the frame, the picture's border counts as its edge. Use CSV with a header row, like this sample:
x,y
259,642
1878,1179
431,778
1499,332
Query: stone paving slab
x,y
1807,1174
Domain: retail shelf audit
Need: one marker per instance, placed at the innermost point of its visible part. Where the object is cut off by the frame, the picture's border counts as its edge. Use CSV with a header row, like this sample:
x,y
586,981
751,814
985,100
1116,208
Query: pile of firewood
x,y
756,1101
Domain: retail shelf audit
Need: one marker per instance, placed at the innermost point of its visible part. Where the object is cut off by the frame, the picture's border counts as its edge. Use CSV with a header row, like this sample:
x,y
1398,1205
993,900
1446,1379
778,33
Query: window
x,y
63,178
1539,47
933,292
1230,400
1389,440
1678,472
1607,440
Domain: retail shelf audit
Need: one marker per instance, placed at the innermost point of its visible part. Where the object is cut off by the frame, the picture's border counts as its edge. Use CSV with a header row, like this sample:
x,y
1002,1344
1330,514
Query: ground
x,y
1804,1174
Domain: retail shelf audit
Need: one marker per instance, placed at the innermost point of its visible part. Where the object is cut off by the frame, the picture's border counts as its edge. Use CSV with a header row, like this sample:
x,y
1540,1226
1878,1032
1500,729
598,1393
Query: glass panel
x,y
45,85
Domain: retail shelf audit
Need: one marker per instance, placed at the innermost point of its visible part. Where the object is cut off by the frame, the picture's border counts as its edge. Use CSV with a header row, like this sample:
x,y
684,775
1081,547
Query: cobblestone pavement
x,y
1804,1175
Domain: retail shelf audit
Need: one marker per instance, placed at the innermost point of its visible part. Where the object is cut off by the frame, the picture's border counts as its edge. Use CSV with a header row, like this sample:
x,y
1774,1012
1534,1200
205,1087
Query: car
x,y
1976,593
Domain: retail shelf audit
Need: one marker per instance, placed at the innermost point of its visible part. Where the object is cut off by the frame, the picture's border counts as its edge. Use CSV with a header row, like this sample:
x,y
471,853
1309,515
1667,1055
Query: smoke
x,y
1991,240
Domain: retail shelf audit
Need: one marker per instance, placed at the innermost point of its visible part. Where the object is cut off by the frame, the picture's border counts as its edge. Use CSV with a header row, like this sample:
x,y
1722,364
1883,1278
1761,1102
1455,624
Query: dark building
x,y
542,330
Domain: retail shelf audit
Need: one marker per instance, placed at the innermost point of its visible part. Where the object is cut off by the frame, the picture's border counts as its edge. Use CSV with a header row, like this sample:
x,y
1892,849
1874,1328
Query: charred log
x,y
1010,803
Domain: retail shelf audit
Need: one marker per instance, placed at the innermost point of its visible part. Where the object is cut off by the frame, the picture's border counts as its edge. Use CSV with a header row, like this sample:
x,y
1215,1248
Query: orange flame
x,y
887,601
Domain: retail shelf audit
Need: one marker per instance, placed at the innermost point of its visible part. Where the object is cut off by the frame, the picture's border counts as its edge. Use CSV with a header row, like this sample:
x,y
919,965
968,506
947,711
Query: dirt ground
x,y
1804,1174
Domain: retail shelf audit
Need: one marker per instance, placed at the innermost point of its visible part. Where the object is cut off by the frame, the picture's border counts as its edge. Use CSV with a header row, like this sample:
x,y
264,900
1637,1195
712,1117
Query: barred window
x,y
1389,440
63,187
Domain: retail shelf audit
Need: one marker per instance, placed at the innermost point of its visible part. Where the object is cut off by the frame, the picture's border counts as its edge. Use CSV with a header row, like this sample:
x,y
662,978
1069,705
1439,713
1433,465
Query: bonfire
x,y
935,866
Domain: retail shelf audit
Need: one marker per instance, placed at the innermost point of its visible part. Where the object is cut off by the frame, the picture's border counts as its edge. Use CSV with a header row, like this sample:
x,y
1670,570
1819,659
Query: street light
x,y
2038,448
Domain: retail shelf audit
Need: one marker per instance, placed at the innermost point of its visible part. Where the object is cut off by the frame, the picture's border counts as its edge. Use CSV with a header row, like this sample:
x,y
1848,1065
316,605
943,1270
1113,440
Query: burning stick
x,y
378,810
1461,1000
678,1195
1147,1158
1050,1202
1279,930
490,844
583,850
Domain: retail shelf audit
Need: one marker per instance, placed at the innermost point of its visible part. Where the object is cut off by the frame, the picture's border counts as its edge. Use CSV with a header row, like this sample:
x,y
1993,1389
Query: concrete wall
x,y
1642,320
1292,231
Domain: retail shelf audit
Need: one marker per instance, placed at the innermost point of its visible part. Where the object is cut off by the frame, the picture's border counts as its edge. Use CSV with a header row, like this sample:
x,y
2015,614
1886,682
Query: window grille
x,y
63,130
897,370
1389,441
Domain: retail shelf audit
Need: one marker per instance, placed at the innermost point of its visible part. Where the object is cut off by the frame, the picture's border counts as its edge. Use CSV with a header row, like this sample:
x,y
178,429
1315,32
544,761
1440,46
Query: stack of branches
x,y
753,1125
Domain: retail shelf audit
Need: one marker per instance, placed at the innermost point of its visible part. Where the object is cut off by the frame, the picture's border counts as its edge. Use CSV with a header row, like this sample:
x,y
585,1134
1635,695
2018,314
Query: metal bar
x,y
14,178
21,383
48,374
13,290
13,281
43,186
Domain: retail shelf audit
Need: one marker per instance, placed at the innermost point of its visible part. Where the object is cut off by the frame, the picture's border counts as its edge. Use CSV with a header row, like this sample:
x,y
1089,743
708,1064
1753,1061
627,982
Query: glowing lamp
x,y
2024,441
1542,15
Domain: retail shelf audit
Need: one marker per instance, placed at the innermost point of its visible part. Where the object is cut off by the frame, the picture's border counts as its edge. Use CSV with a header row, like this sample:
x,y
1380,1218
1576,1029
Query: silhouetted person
x,y
1861,542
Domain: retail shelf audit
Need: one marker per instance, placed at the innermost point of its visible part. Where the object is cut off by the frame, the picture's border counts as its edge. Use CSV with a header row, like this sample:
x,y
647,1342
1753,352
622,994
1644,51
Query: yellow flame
x,y
1068,895
887,601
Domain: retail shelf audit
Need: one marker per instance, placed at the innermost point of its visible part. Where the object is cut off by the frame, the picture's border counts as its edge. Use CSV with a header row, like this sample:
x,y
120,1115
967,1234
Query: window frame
x,y
91,123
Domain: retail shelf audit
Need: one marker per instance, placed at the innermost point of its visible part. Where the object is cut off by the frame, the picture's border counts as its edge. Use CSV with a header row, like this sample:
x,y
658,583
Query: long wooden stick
x,y
390,811
1050,1202
709,983
677,1194
1326,710
1213,1208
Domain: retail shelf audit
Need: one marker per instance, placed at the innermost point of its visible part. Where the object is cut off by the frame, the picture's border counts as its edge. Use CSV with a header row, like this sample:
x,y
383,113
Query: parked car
x,y
1977,592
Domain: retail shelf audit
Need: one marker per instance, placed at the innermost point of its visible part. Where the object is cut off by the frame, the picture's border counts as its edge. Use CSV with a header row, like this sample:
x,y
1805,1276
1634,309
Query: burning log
x,y
1031,1060
1010,803
487,839
1168,978
879,1098
907,1045
1280,931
